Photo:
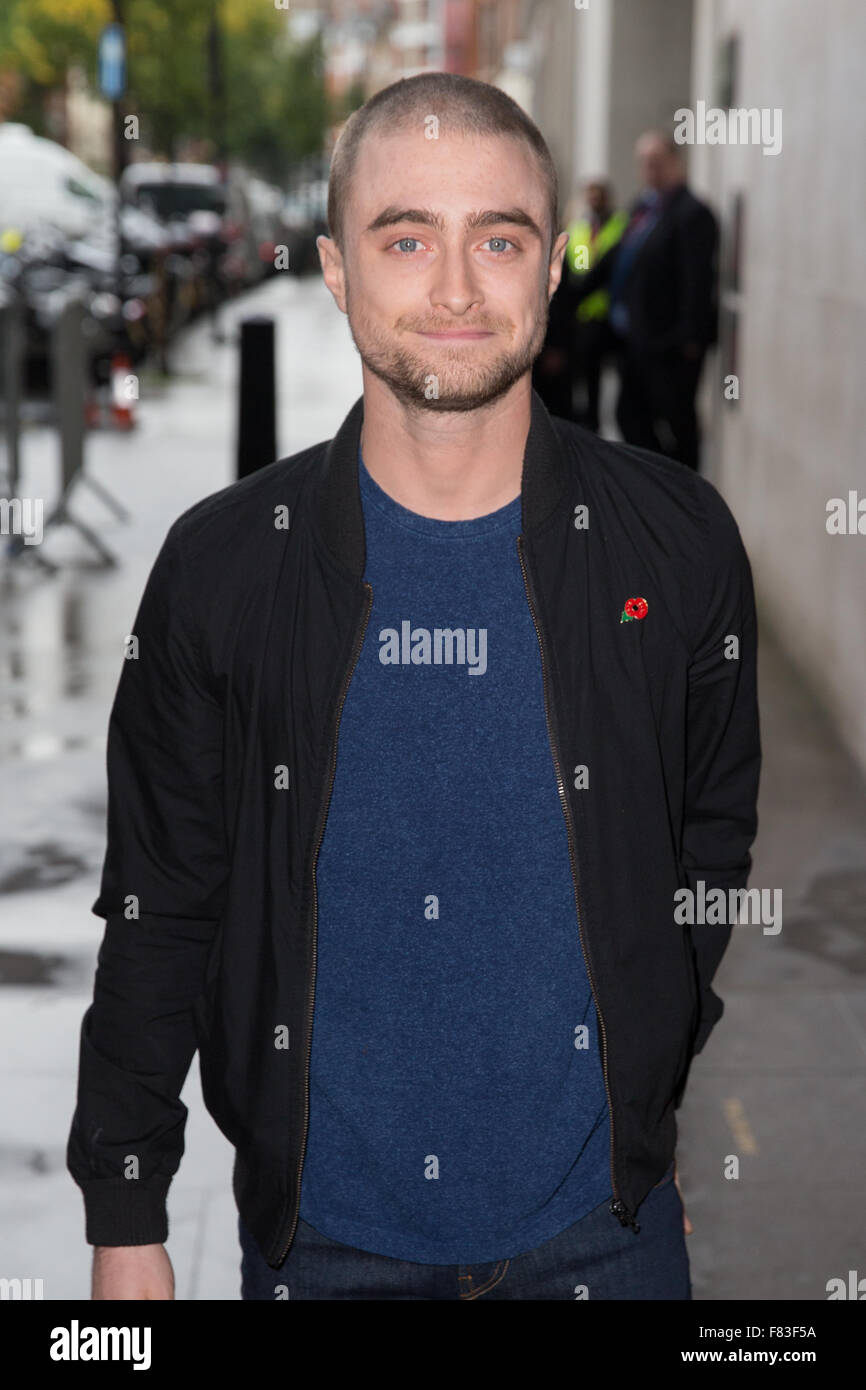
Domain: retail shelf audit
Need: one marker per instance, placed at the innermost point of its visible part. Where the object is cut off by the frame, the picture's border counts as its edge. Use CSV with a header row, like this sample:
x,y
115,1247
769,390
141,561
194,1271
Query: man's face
x,y
657,167
596,197
450,316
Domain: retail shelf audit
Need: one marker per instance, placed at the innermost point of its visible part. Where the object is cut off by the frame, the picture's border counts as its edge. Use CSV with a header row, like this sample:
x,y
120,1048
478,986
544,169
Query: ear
x,y
333,271
553,279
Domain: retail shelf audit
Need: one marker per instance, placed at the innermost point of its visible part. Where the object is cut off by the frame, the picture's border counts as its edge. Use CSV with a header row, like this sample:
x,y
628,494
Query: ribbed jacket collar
x,y
339,511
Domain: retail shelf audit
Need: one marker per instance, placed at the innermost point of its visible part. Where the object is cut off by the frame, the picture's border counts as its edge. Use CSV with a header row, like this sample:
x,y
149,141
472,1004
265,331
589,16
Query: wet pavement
x,y
61,644
780,1084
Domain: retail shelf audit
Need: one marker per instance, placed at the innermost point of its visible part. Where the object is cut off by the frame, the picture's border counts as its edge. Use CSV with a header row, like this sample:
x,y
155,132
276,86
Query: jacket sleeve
x,y
723,751
162,888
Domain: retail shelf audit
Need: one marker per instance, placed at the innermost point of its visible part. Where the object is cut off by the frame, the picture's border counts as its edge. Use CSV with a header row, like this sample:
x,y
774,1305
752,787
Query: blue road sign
x,y
112,62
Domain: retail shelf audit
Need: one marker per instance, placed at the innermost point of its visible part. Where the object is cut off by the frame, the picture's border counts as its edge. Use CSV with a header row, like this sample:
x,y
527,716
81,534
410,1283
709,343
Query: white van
x,y
41,181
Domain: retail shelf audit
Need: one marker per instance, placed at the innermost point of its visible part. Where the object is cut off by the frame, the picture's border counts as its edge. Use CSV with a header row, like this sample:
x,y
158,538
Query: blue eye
x,y
401,243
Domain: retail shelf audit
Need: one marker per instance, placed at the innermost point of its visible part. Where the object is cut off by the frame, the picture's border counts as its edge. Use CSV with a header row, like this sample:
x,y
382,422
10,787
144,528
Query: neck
x,y
447,465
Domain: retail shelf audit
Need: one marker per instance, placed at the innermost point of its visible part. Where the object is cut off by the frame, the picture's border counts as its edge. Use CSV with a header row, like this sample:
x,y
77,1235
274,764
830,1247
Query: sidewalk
x,y
61,643
780,1083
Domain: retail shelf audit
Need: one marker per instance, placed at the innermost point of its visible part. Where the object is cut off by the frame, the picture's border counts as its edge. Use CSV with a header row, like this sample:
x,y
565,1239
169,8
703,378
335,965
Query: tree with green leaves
x,y
225,73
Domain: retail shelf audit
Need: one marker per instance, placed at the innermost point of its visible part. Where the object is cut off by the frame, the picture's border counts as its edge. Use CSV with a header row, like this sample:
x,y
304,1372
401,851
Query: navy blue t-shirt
x,y
457,1105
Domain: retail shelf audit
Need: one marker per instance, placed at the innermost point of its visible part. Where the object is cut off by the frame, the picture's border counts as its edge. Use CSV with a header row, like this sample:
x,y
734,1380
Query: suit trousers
x,y
656,405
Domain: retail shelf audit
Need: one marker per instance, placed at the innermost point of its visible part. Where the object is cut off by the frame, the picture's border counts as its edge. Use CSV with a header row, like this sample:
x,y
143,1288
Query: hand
x,y
132,1272
687,1225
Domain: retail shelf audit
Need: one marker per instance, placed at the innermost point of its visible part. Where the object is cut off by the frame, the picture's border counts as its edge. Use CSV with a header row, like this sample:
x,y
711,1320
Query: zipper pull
x,y
620,1210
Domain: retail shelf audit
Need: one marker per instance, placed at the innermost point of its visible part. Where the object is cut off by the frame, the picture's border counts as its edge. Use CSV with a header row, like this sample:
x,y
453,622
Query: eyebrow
x,y
492,217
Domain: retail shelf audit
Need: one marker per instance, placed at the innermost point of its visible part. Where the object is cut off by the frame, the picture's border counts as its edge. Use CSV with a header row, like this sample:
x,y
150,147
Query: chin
x,y
465,395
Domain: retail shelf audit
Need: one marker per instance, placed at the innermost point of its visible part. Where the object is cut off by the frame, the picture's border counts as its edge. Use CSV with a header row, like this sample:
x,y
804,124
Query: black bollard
x,y
257,426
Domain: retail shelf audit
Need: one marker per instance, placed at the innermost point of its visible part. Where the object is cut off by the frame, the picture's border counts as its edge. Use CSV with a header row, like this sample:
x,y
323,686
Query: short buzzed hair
x,y
462,106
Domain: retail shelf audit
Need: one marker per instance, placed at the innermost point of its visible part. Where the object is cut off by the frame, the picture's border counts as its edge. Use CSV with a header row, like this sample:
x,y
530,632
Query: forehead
x,y
462,171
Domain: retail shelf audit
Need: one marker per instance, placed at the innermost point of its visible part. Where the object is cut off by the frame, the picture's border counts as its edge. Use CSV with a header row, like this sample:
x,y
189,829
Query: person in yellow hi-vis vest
x,y
589,237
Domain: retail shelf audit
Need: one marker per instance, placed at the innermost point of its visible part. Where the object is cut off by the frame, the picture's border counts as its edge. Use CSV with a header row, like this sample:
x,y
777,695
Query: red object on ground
x,y
122,416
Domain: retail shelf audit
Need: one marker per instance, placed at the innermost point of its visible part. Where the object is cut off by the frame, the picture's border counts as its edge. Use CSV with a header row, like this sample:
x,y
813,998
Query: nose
x,y
455,286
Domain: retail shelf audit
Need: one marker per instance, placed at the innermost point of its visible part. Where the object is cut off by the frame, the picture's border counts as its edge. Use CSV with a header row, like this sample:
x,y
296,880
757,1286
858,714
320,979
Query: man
x,y
589,238
578,337
553,369
661,278
429,725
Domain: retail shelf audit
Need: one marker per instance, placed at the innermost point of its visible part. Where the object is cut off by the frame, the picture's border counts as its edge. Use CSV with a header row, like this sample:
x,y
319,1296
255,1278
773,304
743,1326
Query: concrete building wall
x,y
593,30
796,436
602,75
794,439
650,76
549,36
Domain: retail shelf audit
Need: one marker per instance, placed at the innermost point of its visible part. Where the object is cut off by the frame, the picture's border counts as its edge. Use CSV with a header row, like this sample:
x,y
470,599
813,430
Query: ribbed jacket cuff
x,y
120,1211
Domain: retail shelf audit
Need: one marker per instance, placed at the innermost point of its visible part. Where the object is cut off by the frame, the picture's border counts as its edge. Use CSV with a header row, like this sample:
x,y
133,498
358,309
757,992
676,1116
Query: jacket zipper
x,y
356,651
618,1207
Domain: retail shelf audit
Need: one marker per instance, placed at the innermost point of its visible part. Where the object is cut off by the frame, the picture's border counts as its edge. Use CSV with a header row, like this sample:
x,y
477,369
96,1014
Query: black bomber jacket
x,y
222,746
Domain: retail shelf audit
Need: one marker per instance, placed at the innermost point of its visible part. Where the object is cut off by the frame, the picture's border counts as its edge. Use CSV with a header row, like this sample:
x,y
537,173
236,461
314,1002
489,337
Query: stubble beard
x,y
452,376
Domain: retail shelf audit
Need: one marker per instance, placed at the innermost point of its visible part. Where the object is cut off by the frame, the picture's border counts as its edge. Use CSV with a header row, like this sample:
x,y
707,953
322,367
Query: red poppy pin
x,y
634,608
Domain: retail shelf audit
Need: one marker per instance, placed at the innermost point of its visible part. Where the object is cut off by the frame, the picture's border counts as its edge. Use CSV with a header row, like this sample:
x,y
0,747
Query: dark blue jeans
x,y
596,1258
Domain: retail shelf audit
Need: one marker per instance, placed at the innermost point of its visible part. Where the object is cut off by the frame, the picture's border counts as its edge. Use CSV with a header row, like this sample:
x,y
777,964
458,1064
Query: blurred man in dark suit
x,y
661,278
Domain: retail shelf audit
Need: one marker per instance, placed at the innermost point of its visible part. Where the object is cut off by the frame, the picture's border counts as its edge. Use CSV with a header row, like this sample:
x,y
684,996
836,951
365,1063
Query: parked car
x,y
304,218
42,183
208,218
265,203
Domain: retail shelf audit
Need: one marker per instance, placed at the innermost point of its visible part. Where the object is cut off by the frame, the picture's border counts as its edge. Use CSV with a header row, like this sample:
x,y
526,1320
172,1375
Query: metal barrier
x,y
69,382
